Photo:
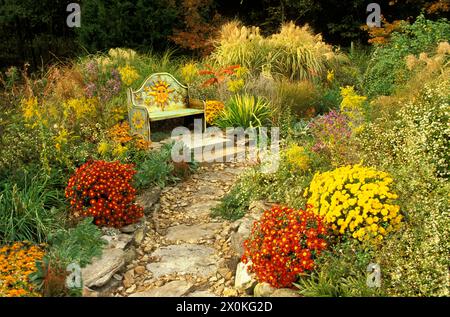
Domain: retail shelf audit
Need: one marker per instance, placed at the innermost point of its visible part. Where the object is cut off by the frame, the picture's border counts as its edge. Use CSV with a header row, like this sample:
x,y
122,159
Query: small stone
x,y
131,289
130,255
140,270
139,236
220,289
213,279
244,280
128,279
130,228
229,292
263,290
87,292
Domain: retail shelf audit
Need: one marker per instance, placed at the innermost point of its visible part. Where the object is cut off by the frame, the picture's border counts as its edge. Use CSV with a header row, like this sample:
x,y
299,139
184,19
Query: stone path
x,y
185,252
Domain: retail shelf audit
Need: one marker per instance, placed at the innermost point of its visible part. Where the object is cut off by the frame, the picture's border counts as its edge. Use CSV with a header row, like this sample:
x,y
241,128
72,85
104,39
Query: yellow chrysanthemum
x,y
355,199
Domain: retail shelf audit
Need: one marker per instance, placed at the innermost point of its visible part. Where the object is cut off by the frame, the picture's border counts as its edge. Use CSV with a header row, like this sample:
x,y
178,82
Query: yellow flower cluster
x,y
17,262
189,72
297,158
352,107
119,138
330,75
235,85
80,107
29,108
213,108
355,200
128,74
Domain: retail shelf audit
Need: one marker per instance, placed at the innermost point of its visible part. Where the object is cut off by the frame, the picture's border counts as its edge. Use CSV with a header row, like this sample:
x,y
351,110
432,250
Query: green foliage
x,y
411,144
244,111
76,245
157,168
387,67
30,210
341,272
234,205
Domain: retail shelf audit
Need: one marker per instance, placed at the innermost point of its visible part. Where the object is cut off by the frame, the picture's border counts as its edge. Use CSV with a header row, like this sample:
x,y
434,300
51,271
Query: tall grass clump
x,y
294,52
29,211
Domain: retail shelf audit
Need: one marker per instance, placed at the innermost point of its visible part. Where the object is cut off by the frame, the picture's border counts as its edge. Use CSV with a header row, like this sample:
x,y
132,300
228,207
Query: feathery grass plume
x,y
295,52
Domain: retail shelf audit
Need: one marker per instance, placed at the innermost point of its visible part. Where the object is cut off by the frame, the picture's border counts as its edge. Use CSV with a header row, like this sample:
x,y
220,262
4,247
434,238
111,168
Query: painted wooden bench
x,y
161,97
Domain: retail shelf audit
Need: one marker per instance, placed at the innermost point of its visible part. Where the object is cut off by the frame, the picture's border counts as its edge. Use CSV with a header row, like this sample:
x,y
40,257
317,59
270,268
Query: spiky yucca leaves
x,y
244,111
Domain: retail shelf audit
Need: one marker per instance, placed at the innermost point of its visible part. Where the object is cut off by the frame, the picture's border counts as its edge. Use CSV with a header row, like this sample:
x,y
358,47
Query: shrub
x,y
17,262
76,245
244,111
103,190
298,158
355,200
156,168
128,74
234,204
341,271
302,54
411,142
302,97
387,67
284,244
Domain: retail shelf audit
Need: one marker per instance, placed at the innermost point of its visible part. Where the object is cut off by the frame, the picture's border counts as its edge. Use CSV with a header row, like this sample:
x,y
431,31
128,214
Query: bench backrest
x,y
160,92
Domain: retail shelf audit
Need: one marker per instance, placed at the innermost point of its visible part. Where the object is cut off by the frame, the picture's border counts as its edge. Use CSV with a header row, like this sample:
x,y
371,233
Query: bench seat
x,y
163,115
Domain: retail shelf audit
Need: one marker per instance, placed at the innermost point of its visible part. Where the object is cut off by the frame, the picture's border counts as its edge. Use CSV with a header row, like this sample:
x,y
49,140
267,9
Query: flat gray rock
x,y
210,190
201,209
192,234
171,289
100,271
184,258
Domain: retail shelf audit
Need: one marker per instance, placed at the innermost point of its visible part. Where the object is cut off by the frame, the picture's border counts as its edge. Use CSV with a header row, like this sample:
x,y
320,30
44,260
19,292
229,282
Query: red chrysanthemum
x,y
103,190
284,244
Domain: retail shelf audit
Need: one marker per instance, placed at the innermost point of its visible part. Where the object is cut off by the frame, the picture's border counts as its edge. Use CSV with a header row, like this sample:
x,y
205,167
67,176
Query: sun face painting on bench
x,y
161,97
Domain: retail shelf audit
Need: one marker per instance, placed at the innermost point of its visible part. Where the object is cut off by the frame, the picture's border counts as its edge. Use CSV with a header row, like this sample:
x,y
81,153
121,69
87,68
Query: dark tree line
x,y
36,31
